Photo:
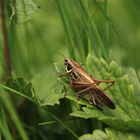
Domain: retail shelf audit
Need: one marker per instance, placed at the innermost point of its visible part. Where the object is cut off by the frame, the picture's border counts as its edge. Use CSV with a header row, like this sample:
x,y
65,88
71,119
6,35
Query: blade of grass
x,y
4,128
106,27
108,20
64,20
13,114
92,30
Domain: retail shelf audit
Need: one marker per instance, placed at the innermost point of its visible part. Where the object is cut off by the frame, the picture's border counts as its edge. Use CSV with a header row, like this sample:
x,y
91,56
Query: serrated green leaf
x,y
110,134
48,91
53,94
21,85
23,10
127,111
133,77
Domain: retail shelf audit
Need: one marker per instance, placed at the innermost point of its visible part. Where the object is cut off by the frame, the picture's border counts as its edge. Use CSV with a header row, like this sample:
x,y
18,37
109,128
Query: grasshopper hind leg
x,y
94,102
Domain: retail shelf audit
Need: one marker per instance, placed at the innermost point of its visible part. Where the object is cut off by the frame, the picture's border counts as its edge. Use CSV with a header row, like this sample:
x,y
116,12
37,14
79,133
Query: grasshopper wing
x,y
101,98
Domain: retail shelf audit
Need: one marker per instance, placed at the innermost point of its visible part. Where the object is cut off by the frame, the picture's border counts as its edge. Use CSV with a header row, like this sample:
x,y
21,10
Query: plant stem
x,y
5,39
61,123
106,29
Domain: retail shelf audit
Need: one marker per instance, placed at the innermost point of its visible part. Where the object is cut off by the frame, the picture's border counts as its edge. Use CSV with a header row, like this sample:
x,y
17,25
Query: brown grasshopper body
x,y
81,80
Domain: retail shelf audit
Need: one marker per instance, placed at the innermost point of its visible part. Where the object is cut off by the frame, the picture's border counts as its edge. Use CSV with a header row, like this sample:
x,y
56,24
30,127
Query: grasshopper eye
x,y
66,62
69,67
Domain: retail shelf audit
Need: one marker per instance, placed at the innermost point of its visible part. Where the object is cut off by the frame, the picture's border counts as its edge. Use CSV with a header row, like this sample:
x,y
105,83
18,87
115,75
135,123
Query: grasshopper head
x,y
68,65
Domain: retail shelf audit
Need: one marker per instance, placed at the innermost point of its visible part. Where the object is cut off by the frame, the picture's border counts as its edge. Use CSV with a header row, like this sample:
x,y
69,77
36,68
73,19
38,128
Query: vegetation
x,y
103,35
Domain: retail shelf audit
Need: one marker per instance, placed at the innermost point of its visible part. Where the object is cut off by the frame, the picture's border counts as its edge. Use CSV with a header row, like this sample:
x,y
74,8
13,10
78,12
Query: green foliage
x,y
48,91
9,106
92,33
4,126
122,94
110,134
21,85
85,19
23,10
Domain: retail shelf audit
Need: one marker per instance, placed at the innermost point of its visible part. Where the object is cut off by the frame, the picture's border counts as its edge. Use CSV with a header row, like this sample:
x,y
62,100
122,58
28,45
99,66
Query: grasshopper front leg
x,y
64,74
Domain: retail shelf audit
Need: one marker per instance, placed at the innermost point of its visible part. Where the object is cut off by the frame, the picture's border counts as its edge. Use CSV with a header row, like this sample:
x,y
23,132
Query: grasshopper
x,y
87,85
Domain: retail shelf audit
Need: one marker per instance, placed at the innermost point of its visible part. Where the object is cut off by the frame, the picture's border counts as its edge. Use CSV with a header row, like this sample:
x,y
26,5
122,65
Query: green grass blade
x,y
4,128
14,117
66,28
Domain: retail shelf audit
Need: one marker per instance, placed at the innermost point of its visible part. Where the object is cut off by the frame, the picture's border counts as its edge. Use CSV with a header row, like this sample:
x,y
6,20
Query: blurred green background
x,y
57,26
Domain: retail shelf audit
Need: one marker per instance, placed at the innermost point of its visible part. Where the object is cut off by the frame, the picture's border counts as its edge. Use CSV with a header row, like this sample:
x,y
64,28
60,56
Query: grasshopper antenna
x,y
60,55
